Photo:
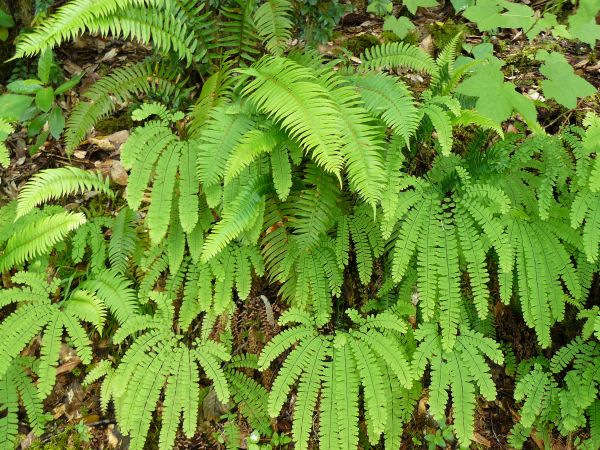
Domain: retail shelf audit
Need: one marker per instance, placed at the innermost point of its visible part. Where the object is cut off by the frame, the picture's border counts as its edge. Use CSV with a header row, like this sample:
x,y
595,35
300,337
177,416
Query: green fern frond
x,y
239,215
69,21
252,144
123,240
188,187
273,23
38,237
116,88
290,95
398,54
390,99
346,395
306,397
159,212
238,32
5,130
220,135
165,31
442,123
52,184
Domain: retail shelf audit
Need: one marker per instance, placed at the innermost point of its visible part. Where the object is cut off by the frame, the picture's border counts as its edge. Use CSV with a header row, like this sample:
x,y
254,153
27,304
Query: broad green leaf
x,y
461,5
44,99
412,5
24,86
562,84
36,125
13,106
497,99
56,122
45,65
490,14
400,26
6,20
380,7
582,24
69,84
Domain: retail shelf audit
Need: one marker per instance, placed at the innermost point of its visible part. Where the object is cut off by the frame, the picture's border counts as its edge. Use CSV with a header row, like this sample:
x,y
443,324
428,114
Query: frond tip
x,y
56,183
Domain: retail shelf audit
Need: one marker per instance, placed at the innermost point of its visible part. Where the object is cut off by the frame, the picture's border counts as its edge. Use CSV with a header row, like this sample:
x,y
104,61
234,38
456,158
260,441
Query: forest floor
x,y
73,405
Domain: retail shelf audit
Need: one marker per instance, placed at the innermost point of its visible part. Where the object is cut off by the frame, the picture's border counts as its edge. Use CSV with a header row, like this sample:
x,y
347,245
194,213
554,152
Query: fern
x,y
123,240
16,385
38,237
159,361
460,371
5,130
398,54
335,366
55,183
272,20
116,88
289,94
36,313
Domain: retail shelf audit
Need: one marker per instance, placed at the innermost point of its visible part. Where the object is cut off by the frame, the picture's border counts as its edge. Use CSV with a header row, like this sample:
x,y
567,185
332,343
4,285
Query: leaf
x,y
412,5
562,84
495,98
68,85
583,25
44,99
24,86
6,20
490,14
380,7
45,65
56,122
400,26
13,106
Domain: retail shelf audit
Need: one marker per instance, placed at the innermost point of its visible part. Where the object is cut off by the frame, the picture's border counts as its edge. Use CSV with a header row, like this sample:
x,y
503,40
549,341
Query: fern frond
x,y
116,88
390,99
166,32
281,170
69,21
38,237
372,383
159,212
52,184
188,187
220,135
398,54
346,386
49,357
239,37
238,216
306,398
289,94
123,240
463,399
5,130
442,124
292,368
273,23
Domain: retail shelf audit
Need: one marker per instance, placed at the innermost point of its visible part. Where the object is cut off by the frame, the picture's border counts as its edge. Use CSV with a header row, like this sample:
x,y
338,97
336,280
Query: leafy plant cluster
x,y
390,219
576,22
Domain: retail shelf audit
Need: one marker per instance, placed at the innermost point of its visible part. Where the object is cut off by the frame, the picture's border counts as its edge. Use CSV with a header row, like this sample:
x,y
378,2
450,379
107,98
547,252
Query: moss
x,y
70,438
113,124
443,33
412,37
359,43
